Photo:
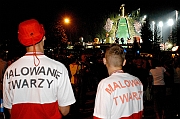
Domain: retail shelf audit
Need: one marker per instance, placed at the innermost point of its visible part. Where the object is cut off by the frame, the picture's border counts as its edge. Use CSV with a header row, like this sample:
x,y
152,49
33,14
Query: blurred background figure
x,y
176,88
3,65
158,87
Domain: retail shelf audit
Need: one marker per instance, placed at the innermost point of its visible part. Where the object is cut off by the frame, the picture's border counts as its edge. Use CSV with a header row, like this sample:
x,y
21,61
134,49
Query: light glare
x,y
170,22
160,24
66,20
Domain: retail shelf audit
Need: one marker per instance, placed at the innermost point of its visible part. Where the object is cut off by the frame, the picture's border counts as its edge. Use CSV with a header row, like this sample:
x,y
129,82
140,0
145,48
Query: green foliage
x,y
135,14
132,31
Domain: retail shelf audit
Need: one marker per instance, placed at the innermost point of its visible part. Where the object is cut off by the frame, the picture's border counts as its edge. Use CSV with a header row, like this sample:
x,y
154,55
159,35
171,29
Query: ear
x,y
124,62
104,61
44,38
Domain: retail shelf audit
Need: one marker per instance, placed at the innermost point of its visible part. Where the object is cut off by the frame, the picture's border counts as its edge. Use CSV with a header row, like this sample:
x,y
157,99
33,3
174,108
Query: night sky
x,y
87,11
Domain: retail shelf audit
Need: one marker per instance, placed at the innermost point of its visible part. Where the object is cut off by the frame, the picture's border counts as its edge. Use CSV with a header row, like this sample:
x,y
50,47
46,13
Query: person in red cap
x,y
36,86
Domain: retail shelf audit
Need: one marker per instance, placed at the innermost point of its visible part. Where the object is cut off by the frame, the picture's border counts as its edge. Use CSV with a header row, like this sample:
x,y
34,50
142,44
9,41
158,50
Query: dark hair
x,y
156,62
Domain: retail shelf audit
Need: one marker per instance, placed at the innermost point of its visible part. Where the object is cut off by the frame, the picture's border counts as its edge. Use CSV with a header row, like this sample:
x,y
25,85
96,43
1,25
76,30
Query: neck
x,y
36,48
111,70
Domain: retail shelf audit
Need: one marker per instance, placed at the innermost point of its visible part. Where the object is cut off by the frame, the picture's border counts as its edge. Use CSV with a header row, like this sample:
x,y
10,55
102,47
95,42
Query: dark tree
x,y
57,35
147,36
156,39
176,33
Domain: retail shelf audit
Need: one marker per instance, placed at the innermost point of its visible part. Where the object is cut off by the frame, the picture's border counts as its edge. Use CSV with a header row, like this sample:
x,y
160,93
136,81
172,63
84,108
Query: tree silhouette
x,y
58,36
147,36
176,33
156,40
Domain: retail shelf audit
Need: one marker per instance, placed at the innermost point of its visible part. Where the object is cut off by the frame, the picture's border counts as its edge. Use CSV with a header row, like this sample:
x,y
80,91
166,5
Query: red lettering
x,y
130,96
135,95
115,100
121,85
127,83
124,98
116,85
110,89
133,82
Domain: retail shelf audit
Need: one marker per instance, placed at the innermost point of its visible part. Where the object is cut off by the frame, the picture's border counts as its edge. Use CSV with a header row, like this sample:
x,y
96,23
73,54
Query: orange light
x,y
66,20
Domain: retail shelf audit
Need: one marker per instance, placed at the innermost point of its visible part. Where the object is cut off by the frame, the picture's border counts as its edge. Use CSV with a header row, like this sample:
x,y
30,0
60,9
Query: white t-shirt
x,y
36,91
158,75
119,95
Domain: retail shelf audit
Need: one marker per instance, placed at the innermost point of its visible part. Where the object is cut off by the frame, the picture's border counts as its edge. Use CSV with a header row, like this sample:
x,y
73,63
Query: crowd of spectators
x,y
90,70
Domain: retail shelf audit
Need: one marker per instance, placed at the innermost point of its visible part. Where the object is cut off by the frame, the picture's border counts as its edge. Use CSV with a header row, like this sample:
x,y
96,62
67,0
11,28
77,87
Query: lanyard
x,y
35,56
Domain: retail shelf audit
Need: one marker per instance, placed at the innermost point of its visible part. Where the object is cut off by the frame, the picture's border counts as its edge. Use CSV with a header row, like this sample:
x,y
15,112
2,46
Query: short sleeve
x,y
102,103
65,92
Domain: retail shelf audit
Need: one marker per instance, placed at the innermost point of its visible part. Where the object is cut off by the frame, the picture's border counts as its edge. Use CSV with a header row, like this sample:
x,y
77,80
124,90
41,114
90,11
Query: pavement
x,y
87,111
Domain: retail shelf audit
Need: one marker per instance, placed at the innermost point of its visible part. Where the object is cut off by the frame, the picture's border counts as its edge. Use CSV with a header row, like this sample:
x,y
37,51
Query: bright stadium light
x,y
170,22
153,23
161,25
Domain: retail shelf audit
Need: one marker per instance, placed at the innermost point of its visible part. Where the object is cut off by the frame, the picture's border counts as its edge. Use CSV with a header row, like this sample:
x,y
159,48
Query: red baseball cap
x,y
30,32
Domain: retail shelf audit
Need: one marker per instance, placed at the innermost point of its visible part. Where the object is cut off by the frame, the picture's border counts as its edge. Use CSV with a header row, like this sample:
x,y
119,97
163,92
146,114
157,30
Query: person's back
x,y
73,67
34,89
118,92
158,87
176,88
35,86
157,72
119,96
158,75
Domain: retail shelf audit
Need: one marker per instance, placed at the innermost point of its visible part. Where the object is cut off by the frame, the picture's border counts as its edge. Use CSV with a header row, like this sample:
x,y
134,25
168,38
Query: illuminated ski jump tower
x,y
122,31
